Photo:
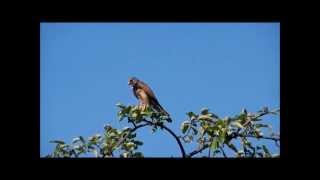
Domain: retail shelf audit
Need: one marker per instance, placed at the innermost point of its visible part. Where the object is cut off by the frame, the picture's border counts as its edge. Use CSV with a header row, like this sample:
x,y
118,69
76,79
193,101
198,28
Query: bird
x,y
146,96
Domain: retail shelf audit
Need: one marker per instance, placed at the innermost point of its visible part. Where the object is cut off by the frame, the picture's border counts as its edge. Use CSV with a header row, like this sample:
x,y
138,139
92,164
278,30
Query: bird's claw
x,y
142,107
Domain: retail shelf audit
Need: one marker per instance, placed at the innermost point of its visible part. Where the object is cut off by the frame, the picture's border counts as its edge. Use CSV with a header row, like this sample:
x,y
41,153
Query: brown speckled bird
x,y
145,95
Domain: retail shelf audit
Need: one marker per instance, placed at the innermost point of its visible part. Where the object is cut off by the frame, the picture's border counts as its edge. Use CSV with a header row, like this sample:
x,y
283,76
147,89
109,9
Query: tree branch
x,y
130,131
261,137
172,133
224,154
236,135
198,150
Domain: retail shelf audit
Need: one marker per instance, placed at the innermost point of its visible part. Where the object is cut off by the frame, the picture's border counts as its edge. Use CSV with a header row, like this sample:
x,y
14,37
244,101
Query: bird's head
x,y
133,81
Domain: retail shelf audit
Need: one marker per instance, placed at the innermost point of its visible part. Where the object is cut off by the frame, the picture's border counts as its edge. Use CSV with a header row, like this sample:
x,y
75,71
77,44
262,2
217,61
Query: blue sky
x,y
85,69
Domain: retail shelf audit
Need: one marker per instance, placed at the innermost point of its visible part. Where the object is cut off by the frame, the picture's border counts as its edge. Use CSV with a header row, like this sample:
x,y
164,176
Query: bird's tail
x,y
160,109
165,112
156,105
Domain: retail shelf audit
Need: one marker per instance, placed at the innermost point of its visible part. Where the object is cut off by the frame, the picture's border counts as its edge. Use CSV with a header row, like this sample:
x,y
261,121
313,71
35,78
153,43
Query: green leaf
x,y
192,115
130,145
265,109
237,124
244,111
97,136
169,119
276,111
95,152
276,155
134,115
213,115
129,109
82,139
221,123
262,125
154,129
260,154
125,129
217,151
125,155
256,119
204,111
232,146
195,131
257,132
121,117
214,144
267,153
185,126
187,139
57,141
132,135
265,126
62,146
94,139
240,153
138,154
247,143
120,105
107,127
147,114
241,118
90,147
211,130
205,118
75,140
139,143
222,137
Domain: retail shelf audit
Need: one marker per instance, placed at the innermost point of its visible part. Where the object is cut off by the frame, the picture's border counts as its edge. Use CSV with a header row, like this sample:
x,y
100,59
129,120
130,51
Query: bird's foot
x,y
143,107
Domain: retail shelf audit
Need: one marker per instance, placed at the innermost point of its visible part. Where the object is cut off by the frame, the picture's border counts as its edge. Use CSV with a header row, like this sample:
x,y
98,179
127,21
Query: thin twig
x,y
198,150
130,131
261,137
172,133
224,154
234,136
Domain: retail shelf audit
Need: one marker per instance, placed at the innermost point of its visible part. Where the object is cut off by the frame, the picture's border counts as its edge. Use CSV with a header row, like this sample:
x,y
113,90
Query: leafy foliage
x,y
215,132
206,129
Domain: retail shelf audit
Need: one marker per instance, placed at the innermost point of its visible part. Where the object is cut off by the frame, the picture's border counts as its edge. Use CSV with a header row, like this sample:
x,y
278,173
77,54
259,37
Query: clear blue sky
x,y
85,69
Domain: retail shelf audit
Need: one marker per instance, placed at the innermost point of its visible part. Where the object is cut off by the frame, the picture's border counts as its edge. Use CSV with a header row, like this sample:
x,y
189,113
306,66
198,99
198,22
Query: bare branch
x,y
224,154
172,133
198,150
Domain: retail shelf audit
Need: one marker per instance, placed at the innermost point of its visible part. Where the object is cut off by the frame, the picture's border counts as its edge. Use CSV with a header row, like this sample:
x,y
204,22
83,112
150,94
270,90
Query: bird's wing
x,y
158,107
147,90
152,100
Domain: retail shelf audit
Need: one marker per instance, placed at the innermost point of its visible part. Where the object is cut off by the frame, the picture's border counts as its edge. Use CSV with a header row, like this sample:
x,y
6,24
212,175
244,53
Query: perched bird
x,y
145,95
